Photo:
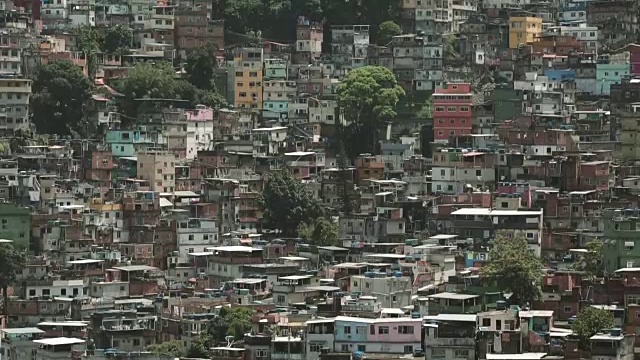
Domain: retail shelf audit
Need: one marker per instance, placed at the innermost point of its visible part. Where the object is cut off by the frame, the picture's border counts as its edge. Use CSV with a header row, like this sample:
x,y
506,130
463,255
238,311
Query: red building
x,y
452,111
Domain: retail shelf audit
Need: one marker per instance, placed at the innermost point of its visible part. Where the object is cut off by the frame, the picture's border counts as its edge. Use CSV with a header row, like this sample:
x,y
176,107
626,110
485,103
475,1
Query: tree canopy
x,y
515,268
387,30
367,96
159,81
173,349
230,322
60,93
200,67
11,262
276,19
592,262
321,232
589,322
117,40
287,203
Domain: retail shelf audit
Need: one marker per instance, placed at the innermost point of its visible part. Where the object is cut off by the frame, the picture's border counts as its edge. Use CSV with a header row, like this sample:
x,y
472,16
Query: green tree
x,y
321,232
200,67
450,53
286,203
426,111
592,262
589,322
60,93
368,96
242,16
514,267
239,320
171,348
147,80
386,31
198,348
89,41
12,262
118,40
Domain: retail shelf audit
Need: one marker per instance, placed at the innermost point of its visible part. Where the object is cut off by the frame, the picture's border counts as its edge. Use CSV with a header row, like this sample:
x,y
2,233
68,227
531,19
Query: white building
x,y
195,235
320,333
587,34
56,288
391,291
199,130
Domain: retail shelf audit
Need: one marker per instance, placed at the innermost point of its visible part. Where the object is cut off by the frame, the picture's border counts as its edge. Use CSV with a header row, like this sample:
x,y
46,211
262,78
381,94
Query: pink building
x,y
634,54
452,111
394,335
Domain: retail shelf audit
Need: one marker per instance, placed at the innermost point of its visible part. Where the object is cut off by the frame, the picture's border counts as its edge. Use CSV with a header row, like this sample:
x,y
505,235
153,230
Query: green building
x,y
621,238
15,224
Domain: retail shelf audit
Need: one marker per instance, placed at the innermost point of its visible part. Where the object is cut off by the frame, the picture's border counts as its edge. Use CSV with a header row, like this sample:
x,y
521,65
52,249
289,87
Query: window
x,y
486,322
405,329
32,292
347,329
439,108
459,353
451,109
437,353
362,348
314,347
478,172
345,348
567,309
361,330
408,349
383,330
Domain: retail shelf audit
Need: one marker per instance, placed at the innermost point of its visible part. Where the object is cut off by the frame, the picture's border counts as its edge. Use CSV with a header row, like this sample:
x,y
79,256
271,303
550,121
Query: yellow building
x,y
523,30
247,67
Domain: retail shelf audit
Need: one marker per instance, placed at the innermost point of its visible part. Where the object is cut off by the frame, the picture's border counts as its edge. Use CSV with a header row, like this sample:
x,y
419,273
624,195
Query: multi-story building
x,y
14,104
390,290
610,73
194,30
523,30
442,17
452,114
158,168
349,45
277,91
620,239
309,37
454,169
482,224
195,235
450,336
588,35
227,262
15,225
417,61
247,74
162,24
